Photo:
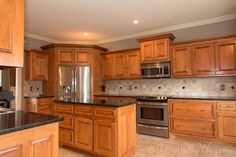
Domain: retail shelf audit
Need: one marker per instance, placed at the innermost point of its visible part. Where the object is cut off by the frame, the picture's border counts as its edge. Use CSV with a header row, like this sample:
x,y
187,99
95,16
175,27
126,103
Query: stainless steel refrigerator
x,y
74,82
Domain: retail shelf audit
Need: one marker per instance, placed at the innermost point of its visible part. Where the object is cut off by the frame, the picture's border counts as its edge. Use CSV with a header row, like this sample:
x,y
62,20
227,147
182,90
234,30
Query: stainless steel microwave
x,y
155,70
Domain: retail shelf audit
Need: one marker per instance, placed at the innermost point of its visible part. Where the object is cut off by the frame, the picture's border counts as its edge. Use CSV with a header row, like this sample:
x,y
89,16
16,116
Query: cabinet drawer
x,y
226,105
83,111
193,127
192,109
67,109
105,112
68,122
66,136
45,101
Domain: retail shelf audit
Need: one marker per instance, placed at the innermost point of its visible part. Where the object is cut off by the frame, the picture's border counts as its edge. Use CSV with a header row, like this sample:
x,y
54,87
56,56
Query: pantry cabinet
x,y
36,65
121,65
181,61
154,49
11,33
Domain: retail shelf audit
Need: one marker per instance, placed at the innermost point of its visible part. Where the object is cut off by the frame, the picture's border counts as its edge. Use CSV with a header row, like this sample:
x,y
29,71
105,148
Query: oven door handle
x,y
153,127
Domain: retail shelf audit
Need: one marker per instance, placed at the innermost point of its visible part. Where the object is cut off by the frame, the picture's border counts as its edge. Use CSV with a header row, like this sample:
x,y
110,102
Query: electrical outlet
x,y
222,87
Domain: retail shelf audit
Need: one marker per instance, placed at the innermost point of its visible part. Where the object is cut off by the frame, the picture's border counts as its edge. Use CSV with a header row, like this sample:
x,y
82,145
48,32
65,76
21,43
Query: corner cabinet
x,y
36,64
121,65
11,33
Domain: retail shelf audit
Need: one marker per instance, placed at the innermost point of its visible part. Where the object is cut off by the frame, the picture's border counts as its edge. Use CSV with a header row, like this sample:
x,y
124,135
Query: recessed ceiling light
x,y
135,22
85,34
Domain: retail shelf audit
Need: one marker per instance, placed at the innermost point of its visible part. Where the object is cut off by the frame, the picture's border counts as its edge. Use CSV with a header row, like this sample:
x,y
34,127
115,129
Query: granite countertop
x,y
106,95
219,98
20,120
38,97
95,102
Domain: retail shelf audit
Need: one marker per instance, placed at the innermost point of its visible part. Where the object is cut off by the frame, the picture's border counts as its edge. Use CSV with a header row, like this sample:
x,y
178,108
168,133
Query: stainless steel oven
x,y
156,70
152,116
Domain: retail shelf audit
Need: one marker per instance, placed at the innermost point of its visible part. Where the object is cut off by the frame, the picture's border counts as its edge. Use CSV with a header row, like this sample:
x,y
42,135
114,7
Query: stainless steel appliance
x,y
4,103
155,70
152,116
74,82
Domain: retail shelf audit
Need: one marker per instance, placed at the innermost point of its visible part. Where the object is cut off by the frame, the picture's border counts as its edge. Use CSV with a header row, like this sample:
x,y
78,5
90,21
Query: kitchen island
x,y
26,134
102,127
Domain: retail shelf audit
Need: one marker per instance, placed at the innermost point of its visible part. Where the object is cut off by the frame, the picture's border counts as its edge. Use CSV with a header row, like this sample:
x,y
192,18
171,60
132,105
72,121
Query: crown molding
x,y
50,40
140,34
171,28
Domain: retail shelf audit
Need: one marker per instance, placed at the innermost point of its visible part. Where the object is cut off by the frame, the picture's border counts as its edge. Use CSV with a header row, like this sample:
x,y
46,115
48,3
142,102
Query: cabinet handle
x,y
5,151
40,140
202,110
228,106
203,129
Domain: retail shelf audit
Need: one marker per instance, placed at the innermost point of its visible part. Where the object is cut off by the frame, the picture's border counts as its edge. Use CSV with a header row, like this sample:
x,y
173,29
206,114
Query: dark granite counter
x,y
95,102
105,95
38,97
217,98
20,120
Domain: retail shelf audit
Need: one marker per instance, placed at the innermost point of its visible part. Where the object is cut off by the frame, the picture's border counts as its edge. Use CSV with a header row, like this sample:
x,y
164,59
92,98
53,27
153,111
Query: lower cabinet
x,y
84,133
104,131
36,142
197,118
104,137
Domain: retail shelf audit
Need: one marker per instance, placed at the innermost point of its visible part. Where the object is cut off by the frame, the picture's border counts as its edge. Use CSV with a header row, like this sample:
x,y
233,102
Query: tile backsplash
x,y
32,88
217,86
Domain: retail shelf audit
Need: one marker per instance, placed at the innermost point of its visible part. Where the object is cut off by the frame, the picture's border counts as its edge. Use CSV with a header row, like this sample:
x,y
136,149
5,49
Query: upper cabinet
x,y
154,49
121,65
73,56
226,57
11,32
216,57
36,65
181,61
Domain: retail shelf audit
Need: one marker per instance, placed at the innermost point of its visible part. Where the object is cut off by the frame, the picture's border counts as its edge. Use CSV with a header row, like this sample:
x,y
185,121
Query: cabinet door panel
x,y
133,65
104,137
203,57
227,126
84,133
147,50
181,61
66,136
108,66
66,56
42,147
226,57
11,152
161,52
120,65
40,66
12,32
189,127
82,56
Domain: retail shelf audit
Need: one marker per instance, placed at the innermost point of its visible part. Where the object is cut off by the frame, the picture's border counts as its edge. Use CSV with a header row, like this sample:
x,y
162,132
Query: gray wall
x,y
200,32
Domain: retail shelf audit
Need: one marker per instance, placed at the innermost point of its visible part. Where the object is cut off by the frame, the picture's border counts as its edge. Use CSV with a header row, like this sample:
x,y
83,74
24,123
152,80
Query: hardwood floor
x,y
149,146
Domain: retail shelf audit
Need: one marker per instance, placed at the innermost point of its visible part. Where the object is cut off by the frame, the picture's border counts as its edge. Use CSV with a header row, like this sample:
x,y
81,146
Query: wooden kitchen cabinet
x,y
41,141
181,61
36,65
226,57
105,137
66,56
108,66
39,105
121,65
82,56
154,49
227,121
12,33
203,59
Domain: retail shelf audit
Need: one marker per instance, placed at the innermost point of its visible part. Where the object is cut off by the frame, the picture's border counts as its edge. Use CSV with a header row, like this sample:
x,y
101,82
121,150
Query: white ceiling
x,y
111,20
